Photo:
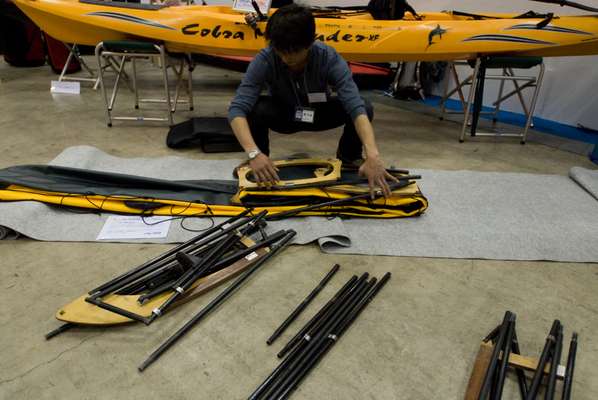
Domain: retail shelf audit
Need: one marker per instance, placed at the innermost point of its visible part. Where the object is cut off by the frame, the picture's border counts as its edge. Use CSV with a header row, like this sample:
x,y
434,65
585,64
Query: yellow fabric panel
x,y
116,204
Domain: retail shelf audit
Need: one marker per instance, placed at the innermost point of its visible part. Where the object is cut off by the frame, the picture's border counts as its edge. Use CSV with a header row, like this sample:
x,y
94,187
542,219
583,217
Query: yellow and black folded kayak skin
x,y
128,194
357,36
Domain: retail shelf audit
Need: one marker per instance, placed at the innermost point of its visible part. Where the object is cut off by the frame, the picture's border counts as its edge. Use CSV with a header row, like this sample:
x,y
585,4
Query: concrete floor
x,y
417,340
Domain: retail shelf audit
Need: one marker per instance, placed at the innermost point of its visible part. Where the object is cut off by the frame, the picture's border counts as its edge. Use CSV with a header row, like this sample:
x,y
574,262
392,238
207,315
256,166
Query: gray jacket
x,y
325,68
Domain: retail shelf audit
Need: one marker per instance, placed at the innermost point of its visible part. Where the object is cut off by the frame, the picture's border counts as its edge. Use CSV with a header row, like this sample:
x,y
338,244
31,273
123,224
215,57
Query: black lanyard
x,y
294,83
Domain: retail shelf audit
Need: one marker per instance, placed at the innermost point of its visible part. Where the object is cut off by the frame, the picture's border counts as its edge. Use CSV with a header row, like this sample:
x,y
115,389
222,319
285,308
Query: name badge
x,y
318,97
304,114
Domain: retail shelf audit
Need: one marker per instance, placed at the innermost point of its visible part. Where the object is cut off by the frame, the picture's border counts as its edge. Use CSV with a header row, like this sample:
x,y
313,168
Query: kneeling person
x,y
298,72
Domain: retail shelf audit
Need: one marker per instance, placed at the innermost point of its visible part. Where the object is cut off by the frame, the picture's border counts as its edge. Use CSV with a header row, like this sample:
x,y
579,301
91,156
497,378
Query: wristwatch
x,y
253,154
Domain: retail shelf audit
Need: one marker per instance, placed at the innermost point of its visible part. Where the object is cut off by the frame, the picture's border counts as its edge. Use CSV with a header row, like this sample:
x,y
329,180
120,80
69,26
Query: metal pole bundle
x,y
208,250
204,263
319,315
337,202
169,256
274,249
318,336
312,295
504,338
177,270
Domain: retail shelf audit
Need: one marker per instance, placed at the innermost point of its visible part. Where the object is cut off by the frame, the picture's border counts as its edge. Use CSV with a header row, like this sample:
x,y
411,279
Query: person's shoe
x,y
350,164
297,156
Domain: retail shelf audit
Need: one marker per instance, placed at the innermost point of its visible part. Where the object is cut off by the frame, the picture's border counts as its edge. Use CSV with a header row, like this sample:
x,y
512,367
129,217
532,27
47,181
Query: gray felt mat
x,y
504,216
586,178
471,214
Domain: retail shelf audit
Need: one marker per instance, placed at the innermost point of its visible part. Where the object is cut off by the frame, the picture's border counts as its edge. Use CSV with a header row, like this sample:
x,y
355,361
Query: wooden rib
x,y
81,312
478,373
245,183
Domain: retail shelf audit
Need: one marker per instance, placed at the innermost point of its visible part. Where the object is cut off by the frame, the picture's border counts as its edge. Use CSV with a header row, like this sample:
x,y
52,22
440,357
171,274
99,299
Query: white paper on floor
x,y
134,227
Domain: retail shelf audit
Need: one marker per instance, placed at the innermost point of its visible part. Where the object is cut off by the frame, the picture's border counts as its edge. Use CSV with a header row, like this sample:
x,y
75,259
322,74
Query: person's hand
x,y
264,170
377,176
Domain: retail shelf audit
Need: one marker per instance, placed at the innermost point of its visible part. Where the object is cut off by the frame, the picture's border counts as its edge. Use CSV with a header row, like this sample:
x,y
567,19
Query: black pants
x,y
268,114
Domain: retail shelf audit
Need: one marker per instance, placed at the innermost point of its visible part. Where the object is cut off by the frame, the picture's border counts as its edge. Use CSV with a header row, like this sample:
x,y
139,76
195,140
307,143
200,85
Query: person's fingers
x,y
259,177
269,178
272,170
390,176
385,187
372,185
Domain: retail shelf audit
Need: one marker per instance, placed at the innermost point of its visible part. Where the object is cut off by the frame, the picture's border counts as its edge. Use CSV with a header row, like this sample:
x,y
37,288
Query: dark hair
x,y
291,28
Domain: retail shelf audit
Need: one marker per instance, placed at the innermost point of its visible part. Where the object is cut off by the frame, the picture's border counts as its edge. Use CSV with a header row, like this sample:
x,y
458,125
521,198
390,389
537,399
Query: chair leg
x,y
179,81
519,89
447,82
472,89
98,51
135,87
68,61
499,98
532,107
166,87
190,85
121,67
478,101
460,85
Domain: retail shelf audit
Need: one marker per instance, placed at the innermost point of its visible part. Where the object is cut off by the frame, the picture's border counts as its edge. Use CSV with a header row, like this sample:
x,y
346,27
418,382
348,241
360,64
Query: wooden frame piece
x,y
515,361
324,171
83,313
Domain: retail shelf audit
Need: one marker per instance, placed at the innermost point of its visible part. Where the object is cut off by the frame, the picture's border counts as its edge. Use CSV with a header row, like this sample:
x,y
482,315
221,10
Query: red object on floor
x,y
58,54
356,67
23,45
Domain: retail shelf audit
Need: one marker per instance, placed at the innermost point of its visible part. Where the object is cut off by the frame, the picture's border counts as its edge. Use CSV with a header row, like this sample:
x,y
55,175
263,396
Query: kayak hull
x,y
220,31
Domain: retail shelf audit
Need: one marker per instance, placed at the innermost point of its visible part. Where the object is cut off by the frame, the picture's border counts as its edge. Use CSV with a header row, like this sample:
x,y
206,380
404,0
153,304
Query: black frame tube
x,y
170,252
138,280
340,304
225,261
332,339
490,372
148,320
554,365
206,262
521,380
502,371
290,213
303,305
297,338
324,184
568,381
62,328
274,249
492,335
195,246
548,346
288,373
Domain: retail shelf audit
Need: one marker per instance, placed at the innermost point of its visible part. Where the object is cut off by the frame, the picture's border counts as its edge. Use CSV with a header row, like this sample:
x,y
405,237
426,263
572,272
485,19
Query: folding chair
x,y
74,53
123,51
476,93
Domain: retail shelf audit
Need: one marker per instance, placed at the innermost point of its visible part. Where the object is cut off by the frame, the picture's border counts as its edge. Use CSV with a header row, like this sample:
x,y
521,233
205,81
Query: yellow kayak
x,y
221,31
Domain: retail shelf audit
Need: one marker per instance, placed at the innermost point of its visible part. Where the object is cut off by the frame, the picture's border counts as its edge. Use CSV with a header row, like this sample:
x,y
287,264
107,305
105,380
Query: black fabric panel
x,y
81,181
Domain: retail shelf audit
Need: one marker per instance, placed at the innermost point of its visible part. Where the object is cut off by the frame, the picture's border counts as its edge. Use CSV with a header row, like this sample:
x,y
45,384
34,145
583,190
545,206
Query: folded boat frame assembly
x,y
500,349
